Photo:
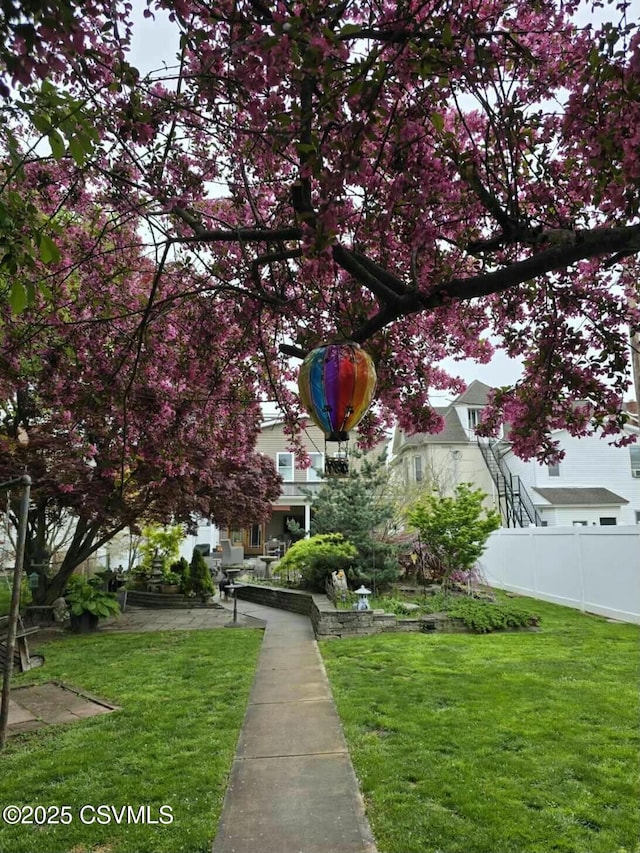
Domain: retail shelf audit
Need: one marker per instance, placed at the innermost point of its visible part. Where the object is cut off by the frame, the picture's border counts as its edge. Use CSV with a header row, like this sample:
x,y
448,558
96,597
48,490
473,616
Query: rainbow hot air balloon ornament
x,y
336,384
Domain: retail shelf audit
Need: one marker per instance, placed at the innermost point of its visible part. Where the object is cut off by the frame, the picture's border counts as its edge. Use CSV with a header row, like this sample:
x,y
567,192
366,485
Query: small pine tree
x,y
296,531
200,580
360,508
181,567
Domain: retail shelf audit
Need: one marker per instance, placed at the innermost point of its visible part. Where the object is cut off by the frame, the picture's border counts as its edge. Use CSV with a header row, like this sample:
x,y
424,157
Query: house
x,y
295,500
440,461
596,483
299,484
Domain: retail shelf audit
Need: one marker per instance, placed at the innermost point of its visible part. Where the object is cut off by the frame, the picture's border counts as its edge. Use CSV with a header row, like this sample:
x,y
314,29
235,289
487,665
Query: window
x,y
255,536
417,468
634,455
315,470
604,522
554,470
473,417
285,466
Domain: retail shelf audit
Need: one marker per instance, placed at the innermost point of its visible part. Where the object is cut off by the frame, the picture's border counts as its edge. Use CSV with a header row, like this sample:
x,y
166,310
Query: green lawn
x,y
183,697
498,743
5,598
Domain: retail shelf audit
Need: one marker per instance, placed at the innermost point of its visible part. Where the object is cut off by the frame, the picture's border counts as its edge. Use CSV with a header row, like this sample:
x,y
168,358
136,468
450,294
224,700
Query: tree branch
x,y
583,245
579,246
290,350
369,274
384,276
248,235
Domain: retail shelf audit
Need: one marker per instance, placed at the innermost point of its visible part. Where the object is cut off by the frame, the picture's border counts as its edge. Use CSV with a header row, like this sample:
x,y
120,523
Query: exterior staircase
x,y
514,502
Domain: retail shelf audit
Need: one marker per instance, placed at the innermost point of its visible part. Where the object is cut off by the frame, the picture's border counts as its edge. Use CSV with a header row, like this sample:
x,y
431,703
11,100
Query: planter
x,y
86,623
170,588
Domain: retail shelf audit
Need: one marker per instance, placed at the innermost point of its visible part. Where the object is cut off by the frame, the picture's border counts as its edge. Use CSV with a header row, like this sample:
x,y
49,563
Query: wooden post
x,y
25,482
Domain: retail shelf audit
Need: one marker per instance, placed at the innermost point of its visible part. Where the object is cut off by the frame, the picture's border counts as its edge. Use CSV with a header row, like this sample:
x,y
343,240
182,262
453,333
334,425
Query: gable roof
x,y
477,394
453,432
588,496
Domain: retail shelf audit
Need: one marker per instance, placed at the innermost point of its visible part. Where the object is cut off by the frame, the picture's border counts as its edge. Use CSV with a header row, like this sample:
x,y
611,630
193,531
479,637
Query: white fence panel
x,y
594,569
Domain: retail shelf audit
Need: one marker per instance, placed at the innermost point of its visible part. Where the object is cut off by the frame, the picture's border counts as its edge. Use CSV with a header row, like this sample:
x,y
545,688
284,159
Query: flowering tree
x,y
426,177
125,412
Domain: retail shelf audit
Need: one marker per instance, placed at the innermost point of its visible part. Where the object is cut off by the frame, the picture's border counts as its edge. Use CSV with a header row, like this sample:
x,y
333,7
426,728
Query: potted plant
x,y
88,602
170,583
138,577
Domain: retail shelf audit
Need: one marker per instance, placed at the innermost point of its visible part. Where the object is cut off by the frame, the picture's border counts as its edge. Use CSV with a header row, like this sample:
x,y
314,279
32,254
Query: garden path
x,y
292,787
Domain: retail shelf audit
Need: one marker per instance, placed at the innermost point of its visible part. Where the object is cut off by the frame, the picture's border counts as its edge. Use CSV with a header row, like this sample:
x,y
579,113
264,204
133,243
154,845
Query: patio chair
x,y
232,555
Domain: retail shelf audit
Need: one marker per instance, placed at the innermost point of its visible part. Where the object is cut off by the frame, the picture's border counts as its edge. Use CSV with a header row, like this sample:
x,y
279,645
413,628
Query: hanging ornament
x,y
336,385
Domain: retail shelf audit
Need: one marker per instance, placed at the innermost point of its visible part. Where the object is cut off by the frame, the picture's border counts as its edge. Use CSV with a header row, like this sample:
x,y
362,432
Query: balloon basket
x,y
336,466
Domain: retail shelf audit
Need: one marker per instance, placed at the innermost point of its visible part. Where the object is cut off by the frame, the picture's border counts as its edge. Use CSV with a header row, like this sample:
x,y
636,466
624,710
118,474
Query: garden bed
x,y
330,621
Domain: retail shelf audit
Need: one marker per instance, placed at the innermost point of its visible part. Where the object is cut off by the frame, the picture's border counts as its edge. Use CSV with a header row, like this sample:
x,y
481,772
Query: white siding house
x,y
207,538
595,483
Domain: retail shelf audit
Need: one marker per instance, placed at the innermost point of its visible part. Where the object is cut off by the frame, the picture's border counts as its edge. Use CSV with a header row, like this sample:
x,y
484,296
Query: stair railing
x,y
518,504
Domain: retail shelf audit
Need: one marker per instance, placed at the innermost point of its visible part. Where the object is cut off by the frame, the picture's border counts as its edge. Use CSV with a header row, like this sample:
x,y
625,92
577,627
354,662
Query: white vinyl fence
x,y
594,569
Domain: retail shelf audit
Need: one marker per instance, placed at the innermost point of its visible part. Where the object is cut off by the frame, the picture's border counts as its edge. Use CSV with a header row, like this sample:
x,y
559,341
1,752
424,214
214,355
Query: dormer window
x,y
473,416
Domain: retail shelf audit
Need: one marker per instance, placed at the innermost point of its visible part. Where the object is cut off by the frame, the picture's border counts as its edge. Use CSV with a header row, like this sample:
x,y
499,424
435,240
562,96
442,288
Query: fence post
x,y
579,557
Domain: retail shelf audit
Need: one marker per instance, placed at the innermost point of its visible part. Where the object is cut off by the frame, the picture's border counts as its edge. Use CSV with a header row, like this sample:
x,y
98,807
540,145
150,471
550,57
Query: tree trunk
x,y
87,539
82,545
36,556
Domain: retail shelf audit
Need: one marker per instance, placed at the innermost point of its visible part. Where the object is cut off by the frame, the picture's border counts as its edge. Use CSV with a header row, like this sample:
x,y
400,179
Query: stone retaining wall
x,y
140,598
329,622
284,599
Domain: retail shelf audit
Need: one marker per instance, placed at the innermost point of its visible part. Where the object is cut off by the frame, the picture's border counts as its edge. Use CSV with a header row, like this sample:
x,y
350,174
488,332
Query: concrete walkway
x,y
292,787
141,619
